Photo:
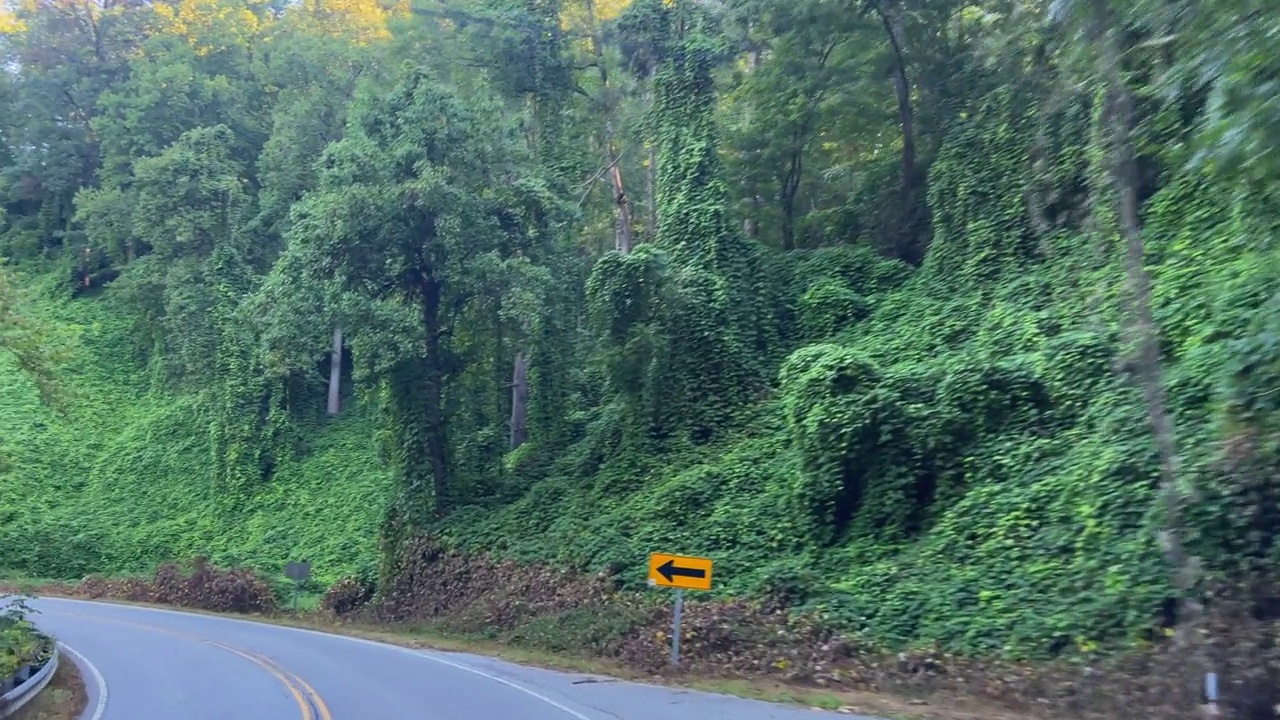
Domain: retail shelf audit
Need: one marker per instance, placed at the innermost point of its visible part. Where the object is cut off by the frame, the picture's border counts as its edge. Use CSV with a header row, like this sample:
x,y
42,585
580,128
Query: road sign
x,y
298,571
680,571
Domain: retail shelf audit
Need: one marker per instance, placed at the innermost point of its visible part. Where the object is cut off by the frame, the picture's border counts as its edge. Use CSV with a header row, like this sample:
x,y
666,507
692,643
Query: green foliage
x,y
829,306
37,347
952,453
959,462
836,417
687,332
134,485
19,643
625,295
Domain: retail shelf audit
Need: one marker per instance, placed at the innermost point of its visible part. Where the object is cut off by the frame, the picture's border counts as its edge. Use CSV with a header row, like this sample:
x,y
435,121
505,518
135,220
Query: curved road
x,y
151,664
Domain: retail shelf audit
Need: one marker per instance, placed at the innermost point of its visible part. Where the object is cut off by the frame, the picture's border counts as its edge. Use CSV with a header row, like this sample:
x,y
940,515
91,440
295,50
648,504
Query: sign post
x,y
675,629
298,572
681,572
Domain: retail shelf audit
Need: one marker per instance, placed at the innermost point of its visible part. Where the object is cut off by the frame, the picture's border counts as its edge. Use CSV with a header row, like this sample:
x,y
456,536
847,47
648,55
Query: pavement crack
x,y
601,710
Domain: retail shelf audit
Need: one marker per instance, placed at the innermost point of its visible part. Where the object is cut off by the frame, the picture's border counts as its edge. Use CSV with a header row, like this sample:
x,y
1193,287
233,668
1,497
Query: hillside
x,y
121,478
709,295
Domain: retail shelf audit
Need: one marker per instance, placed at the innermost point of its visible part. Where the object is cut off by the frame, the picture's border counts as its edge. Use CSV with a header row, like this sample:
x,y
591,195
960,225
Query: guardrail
x,y
14,700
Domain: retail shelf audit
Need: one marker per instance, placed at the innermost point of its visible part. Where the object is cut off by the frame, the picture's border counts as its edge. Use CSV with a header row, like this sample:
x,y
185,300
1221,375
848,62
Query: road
x,y
153,664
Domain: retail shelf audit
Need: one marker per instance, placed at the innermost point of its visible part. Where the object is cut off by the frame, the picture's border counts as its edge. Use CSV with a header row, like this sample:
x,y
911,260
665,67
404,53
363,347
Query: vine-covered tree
x,y
878,302
427,203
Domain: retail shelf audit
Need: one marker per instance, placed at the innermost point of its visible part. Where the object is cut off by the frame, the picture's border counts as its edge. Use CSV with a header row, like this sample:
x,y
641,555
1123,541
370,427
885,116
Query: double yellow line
x,y
309,701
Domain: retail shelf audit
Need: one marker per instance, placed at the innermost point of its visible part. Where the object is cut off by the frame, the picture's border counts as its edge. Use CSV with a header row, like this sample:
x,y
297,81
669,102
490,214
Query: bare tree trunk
x,y
1146,364
622,230
335,373
622,235
1145,361
907,243
891,19
433,401
651,181
751,223
520,401
788,188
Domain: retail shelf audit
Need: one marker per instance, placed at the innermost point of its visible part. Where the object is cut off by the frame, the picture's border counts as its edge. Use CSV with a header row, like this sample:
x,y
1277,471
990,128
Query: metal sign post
x,y
675,629
682,572
298,572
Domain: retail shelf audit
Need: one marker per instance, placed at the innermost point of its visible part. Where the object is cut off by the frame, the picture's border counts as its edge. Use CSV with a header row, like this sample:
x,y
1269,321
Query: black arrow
x,y
669,571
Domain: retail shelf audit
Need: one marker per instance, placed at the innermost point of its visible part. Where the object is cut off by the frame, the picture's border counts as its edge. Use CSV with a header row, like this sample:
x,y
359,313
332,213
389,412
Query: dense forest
x,y
956,321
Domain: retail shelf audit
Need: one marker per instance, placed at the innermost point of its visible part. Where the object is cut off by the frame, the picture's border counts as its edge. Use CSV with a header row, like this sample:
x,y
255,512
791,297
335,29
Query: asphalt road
x,y
149,664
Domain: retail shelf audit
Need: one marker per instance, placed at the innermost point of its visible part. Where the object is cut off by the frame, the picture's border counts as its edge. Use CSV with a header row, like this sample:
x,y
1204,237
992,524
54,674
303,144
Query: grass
x,y
21,583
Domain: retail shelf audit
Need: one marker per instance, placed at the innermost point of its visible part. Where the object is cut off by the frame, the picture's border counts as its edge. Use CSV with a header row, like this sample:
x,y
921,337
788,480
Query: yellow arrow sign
x,y
680,571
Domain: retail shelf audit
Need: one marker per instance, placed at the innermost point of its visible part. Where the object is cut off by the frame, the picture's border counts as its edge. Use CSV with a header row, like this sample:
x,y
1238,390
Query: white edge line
x,y
101,708
102,686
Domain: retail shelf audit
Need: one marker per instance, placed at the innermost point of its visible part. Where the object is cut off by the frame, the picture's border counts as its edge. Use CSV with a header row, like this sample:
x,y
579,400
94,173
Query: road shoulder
x,y
64,698
596,670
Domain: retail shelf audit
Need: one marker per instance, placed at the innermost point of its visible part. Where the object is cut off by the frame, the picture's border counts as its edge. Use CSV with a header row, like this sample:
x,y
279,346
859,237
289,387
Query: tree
x,y
782,101
180,206
70,54
423,204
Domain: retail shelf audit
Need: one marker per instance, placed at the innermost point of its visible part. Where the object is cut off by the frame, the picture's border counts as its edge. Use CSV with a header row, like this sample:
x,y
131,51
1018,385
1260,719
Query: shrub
x,y
346,596
239,590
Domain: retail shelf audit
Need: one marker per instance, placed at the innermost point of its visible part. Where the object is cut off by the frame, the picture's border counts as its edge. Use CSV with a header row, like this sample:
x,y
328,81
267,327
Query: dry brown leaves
x,y
753,640
750,639
204,587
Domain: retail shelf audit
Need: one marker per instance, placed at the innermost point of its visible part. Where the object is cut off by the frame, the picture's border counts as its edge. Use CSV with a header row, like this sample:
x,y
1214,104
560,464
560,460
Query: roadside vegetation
x,y
22,650
64,698
20,645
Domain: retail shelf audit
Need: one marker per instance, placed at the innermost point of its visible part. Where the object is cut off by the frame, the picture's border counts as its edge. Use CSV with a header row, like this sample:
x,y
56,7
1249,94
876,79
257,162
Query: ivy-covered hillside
x,y
955,321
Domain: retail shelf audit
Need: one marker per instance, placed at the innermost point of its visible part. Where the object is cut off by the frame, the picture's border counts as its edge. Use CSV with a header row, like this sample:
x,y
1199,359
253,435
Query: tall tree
x,y
422,193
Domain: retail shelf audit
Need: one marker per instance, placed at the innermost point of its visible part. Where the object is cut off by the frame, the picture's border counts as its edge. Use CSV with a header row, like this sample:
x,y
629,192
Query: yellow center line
x,y
311,693
315,698
307,712
296,686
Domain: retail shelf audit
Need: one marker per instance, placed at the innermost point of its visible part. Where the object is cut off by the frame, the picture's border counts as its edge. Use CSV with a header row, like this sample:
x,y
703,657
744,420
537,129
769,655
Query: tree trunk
x,y
520,401
751,225
433,402
909,220
892,22
622,230
335,373
1145,361
789,188
622,236
651,181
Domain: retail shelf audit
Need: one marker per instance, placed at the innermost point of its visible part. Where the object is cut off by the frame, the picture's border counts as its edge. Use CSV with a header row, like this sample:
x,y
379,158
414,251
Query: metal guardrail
x,y
13,701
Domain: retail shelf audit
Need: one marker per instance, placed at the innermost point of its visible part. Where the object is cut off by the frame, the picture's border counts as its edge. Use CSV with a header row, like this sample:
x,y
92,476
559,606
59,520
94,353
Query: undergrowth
x,y
958,457
952,455
121,478
992,486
